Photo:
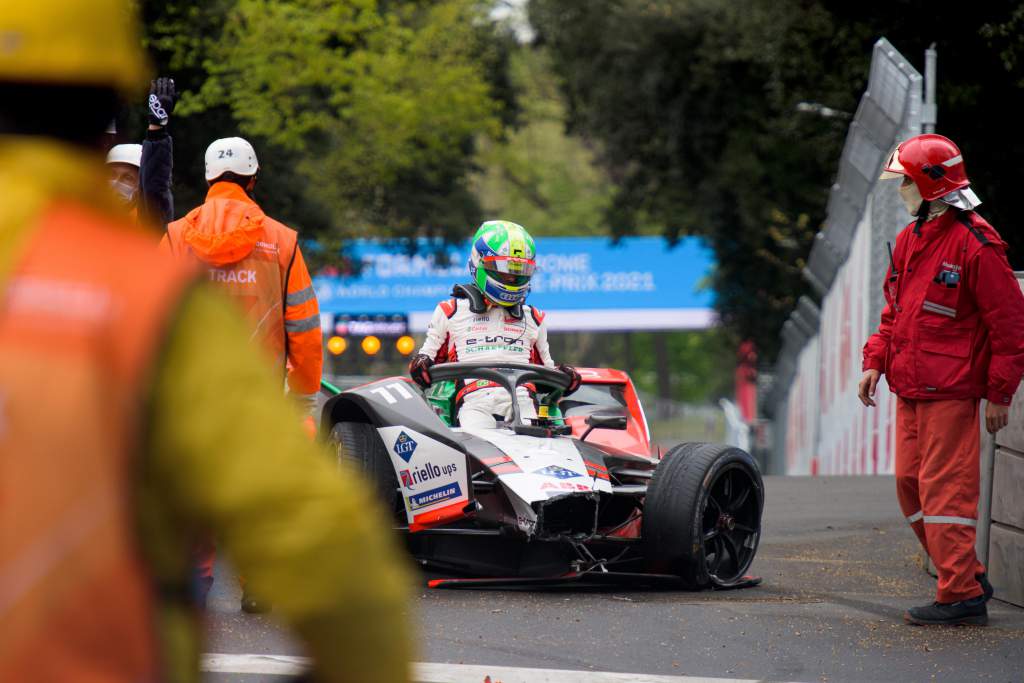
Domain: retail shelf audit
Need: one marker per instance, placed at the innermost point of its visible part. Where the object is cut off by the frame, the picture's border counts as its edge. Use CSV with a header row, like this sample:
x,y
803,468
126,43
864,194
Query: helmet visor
x,y
893,168
509,270
510,279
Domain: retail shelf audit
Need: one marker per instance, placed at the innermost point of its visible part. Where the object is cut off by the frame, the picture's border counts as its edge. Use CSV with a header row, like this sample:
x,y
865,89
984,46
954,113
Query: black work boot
x,y
971,611
985,585
254,605
201,586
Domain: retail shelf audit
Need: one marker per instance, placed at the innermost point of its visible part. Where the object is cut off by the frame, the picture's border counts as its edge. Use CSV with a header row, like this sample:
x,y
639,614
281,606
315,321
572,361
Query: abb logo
x,y
563,486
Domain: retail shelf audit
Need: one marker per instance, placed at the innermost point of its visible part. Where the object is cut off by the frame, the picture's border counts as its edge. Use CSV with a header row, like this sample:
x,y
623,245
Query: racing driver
x,y
489,320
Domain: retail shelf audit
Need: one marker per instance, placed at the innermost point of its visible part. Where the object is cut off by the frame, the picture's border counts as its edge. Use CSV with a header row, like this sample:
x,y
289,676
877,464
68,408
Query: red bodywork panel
x,y
636,439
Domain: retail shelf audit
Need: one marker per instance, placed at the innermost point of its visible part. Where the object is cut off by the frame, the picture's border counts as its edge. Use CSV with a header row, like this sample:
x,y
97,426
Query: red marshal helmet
x,y
932,161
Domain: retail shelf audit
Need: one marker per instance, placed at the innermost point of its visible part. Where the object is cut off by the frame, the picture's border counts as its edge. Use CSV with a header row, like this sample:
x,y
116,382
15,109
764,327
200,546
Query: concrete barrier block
x,y
1008,489
1012,436
1006,563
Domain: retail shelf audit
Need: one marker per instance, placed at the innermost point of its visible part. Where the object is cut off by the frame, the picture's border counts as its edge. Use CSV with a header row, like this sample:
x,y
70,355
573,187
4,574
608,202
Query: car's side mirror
x,y
604,422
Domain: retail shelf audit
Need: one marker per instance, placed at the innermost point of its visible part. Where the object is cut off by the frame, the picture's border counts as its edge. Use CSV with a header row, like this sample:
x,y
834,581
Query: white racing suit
x,y
457,334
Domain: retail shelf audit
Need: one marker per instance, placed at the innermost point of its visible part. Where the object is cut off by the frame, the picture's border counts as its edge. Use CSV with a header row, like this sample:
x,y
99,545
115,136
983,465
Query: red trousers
x,y
938,448
204,555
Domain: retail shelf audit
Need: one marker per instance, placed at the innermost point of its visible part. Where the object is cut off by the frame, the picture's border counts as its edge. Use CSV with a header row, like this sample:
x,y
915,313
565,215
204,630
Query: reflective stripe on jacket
x,y
953,326
75,599
257,261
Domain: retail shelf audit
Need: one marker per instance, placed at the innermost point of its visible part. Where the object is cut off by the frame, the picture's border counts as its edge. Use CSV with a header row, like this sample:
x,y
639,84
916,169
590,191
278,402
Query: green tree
x,y
702,361
364,112
538,175
693,103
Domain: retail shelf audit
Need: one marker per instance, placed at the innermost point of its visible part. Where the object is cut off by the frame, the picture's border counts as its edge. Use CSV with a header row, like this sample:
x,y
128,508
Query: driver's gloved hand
x,y
574,379
419,369
162,98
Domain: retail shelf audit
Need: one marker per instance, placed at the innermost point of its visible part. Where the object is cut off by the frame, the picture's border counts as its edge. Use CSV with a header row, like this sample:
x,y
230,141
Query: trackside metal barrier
x,y
818,425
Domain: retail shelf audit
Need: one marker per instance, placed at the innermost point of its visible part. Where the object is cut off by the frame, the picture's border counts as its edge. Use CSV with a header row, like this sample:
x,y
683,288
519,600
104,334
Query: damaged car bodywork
x,y
575,493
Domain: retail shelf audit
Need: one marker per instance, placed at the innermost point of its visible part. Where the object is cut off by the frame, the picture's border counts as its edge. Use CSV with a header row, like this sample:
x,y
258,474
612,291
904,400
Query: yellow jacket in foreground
x,y
221,453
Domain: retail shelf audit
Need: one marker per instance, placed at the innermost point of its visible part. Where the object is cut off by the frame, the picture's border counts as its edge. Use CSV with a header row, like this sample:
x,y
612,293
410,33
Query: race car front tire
x,y
359,445
702,515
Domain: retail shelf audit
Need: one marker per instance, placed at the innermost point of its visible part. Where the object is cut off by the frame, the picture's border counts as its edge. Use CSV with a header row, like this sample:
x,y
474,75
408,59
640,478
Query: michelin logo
x,y
405,446
434,496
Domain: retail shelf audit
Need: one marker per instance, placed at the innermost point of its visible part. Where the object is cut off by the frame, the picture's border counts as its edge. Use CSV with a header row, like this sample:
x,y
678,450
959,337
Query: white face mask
x,y
911,197
125,191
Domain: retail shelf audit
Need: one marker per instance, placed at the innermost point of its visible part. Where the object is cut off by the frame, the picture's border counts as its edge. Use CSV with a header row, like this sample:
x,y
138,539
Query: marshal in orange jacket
x,y
258,262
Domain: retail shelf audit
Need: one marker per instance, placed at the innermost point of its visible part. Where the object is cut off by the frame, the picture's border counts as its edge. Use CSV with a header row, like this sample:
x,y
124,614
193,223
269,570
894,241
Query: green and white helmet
x,y
502,261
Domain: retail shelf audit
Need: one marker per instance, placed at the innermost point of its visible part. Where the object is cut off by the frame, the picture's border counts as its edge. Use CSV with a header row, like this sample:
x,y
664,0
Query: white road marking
x,y
430,672
276,665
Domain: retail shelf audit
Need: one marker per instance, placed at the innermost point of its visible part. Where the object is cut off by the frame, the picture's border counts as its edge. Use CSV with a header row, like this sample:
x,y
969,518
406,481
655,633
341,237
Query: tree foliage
x,y
537,174
364,112
694,104
701,361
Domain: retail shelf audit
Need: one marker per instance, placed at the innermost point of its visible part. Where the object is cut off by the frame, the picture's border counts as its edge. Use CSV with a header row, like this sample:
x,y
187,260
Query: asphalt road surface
x,y
839,567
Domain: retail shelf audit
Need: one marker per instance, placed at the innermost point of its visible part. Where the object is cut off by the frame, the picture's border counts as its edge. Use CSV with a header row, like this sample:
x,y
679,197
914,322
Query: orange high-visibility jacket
x,y
258,262
75,596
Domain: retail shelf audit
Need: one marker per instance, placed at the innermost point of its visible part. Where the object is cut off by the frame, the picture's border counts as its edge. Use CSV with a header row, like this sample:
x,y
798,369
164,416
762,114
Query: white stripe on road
x,y
472,673
428,672
275,665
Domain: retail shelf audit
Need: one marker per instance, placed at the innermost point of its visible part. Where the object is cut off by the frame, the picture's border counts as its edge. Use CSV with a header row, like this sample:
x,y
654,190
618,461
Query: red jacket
x,y
953,326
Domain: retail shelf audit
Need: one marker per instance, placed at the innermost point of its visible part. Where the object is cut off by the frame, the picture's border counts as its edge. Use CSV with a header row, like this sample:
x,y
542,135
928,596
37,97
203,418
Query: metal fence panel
x,y
846,267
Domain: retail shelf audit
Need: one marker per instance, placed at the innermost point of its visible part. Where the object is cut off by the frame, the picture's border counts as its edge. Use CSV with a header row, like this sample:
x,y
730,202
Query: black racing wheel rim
x,y
731,523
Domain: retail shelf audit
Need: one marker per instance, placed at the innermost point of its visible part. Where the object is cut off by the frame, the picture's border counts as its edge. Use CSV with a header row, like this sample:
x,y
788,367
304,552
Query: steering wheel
x,y
509,376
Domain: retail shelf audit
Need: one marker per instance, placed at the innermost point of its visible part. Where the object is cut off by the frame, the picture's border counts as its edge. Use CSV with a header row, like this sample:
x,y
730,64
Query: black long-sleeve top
x,y
156,201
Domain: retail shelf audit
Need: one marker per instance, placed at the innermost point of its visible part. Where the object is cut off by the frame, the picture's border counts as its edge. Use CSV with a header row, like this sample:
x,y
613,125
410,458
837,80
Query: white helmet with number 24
x,y
230,154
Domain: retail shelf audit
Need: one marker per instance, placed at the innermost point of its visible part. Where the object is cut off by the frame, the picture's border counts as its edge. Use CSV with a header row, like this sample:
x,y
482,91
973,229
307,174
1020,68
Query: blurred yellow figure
x,y
134,417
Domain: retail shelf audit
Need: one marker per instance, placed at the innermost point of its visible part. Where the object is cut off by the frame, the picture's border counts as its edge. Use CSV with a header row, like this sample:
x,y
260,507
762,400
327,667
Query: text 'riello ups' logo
x,y
405,446
422,473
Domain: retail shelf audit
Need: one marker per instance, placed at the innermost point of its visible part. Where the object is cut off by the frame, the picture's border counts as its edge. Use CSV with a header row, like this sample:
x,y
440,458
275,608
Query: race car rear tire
x,y
702,514
359,445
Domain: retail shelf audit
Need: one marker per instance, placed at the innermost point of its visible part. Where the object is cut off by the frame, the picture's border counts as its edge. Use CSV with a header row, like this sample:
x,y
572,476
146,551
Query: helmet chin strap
x,y
922,215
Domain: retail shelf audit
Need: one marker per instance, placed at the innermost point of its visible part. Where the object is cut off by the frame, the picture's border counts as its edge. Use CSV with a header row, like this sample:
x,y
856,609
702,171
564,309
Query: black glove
x,y
574,379
419,369
162,98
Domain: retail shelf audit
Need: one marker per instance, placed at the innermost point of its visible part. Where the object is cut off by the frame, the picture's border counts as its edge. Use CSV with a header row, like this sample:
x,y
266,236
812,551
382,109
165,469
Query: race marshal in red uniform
x,y
952,333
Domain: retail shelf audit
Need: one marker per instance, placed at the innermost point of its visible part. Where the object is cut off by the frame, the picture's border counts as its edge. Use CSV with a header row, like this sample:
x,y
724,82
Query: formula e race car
x,y
575,494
